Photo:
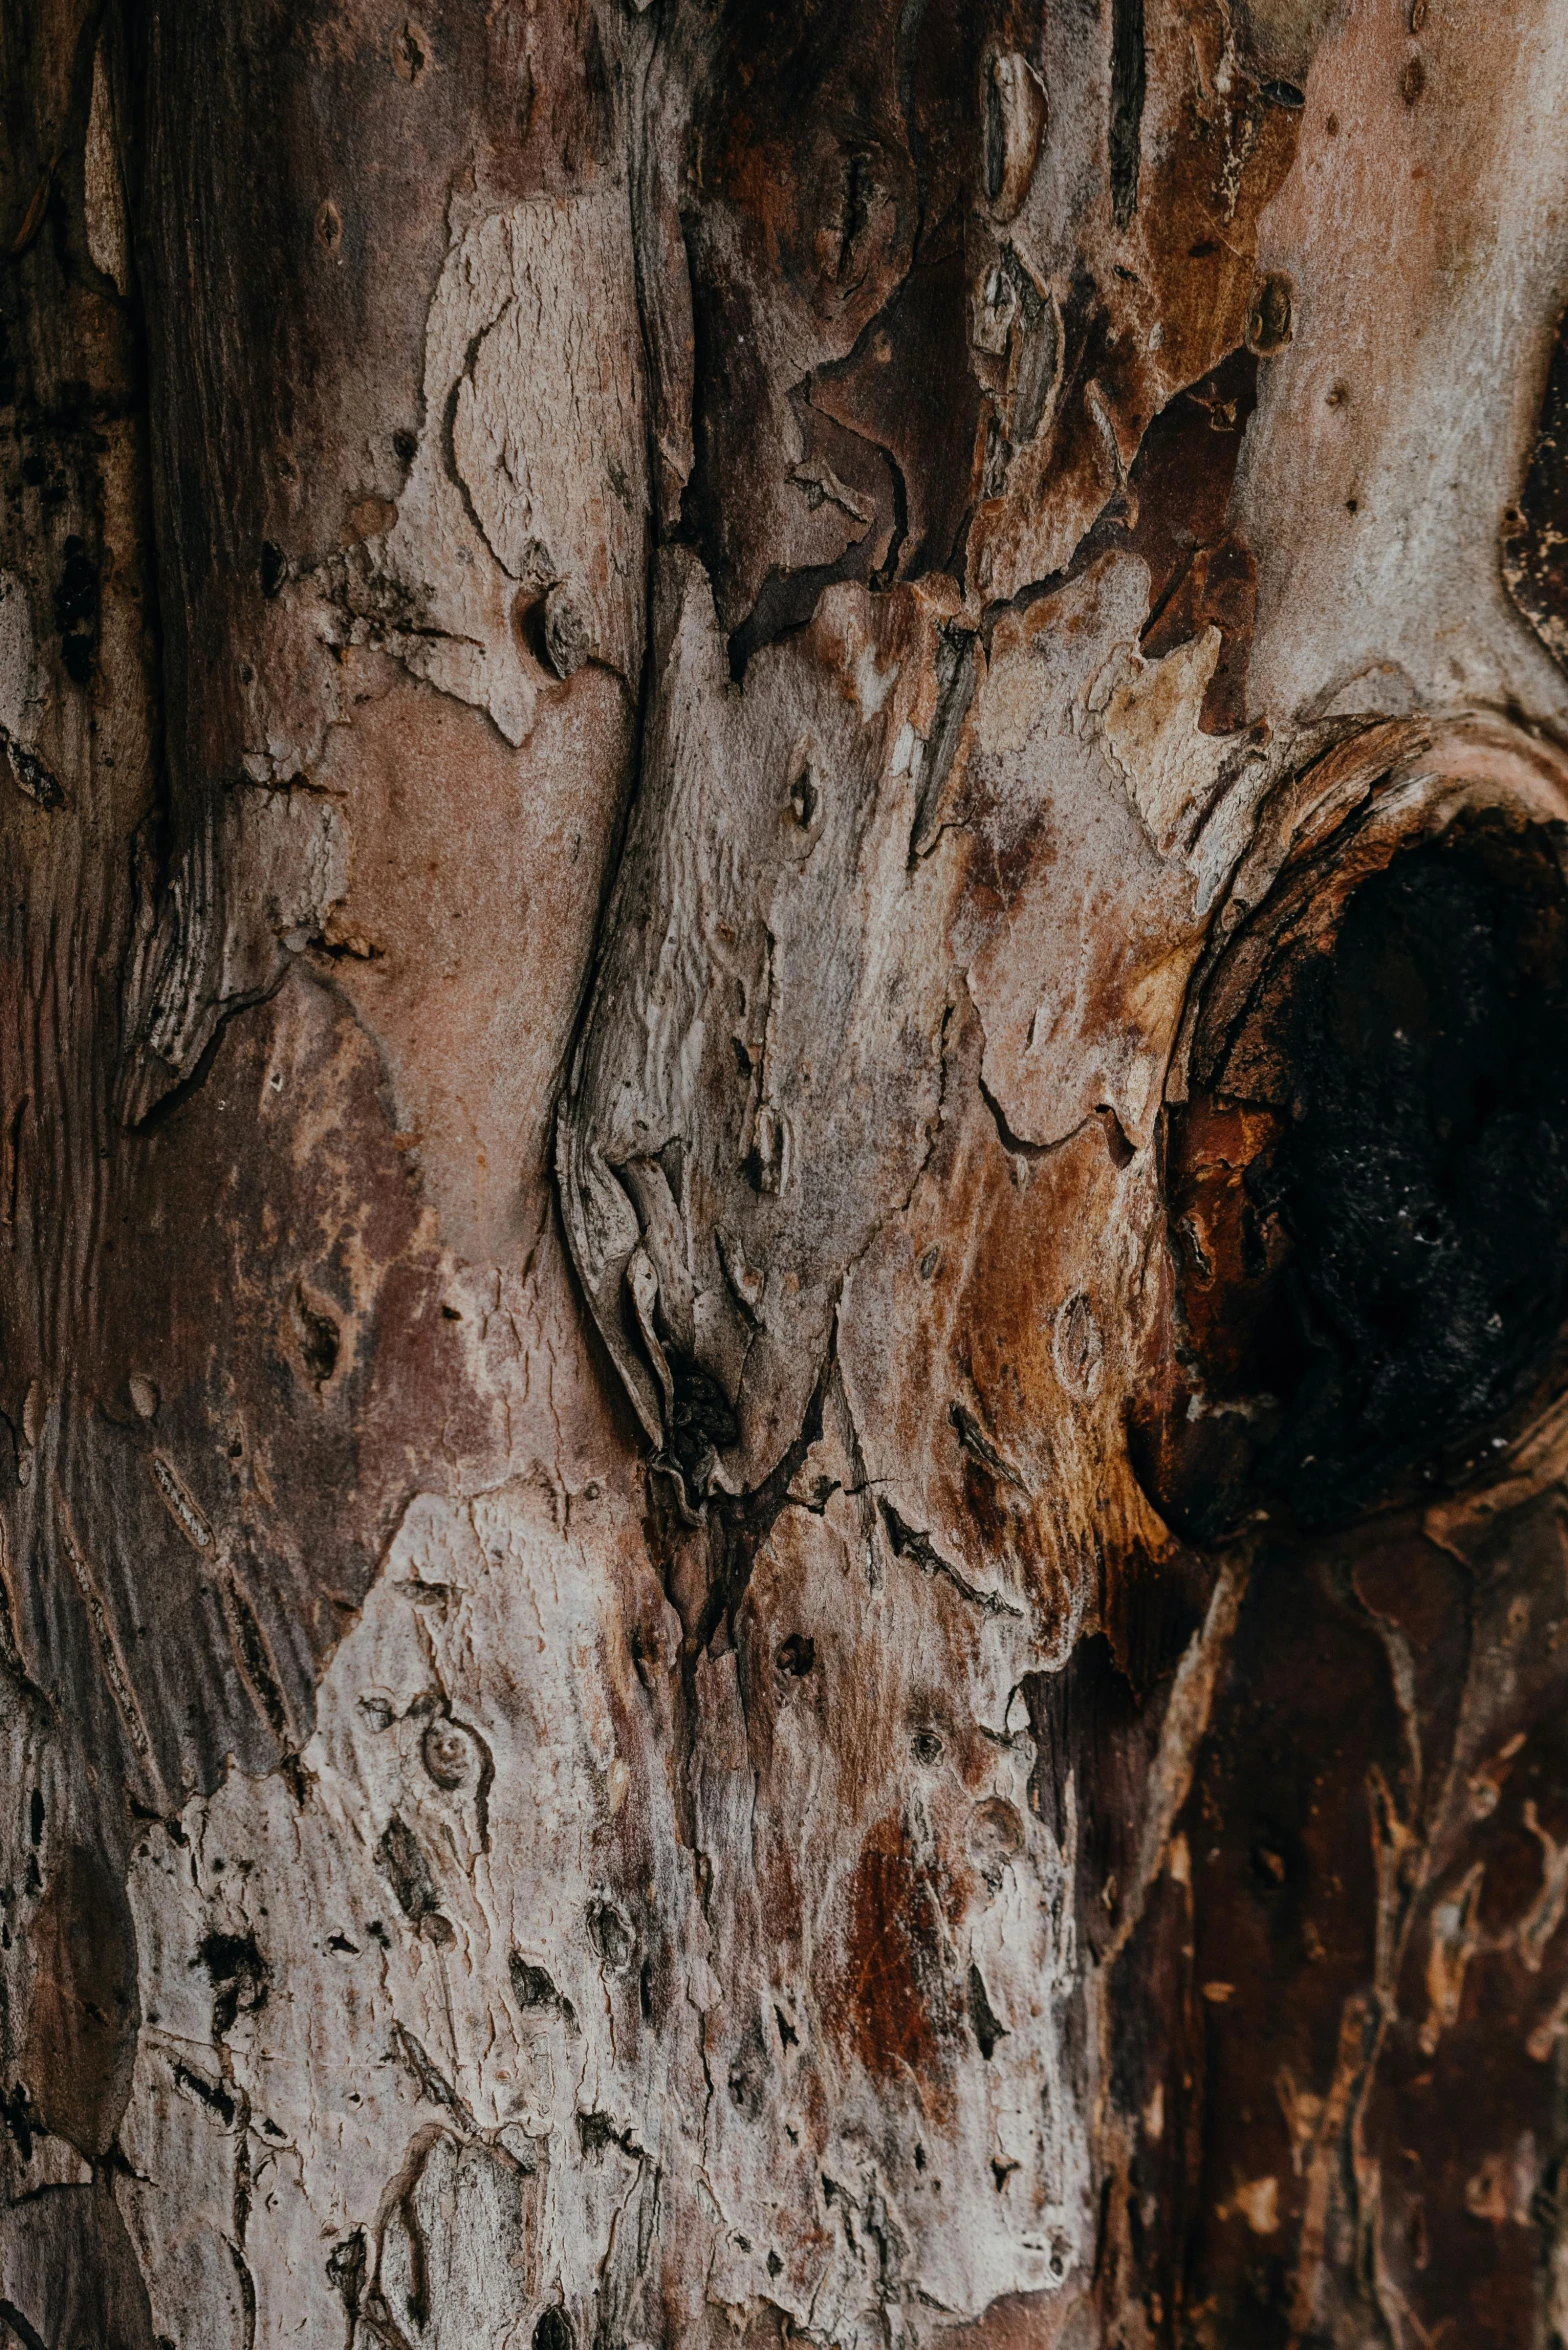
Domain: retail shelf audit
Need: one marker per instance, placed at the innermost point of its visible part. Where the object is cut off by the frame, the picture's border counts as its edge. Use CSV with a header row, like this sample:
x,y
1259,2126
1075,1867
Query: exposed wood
x,y
783,1175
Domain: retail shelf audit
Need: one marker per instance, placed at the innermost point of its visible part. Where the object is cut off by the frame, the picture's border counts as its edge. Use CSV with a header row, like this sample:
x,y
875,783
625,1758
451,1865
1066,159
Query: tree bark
x,y
784,1175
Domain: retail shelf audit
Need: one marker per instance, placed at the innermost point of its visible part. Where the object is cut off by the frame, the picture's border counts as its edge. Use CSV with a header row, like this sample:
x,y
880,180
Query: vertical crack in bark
x,y
911,1542
107,1643
739,1524
433,2083
956,677
240,2209
1128,77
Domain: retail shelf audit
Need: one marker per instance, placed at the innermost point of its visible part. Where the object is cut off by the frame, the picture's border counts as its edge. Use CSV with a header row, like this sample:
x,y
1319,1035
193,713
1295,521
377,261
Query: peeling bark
x,y
783,1175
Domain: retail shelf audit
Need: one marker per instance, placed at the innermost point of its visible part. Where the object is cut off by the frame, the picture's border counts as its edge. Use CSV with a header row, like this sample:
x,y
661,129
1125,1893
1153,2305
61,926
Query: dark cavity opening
x,y
1421,1174
1368,1198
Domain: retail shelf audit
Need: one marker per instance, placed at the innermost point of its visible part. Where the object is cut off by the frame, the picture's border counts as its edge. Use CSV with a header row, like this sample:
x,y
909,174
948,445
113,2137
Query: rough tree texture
x,y
783,1175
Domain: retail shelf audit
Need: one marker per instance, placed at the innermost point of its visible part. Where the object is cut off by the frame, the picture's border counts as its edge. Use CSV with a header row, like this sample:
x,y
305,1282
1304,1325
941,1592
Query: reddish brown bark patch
x,y
268,1376
81,2027
890,1997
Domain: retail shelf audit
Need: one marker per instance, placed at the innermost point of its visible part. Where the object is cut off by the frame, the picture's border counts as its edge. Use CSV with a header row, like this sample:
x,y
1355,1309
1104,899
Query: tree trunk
x,y
784,1175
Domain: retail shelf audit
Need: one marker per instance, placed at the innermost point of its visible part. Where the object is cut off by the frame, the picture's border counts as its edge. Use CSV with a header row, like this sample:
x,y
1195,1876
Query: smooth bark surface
x,y
783,1175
